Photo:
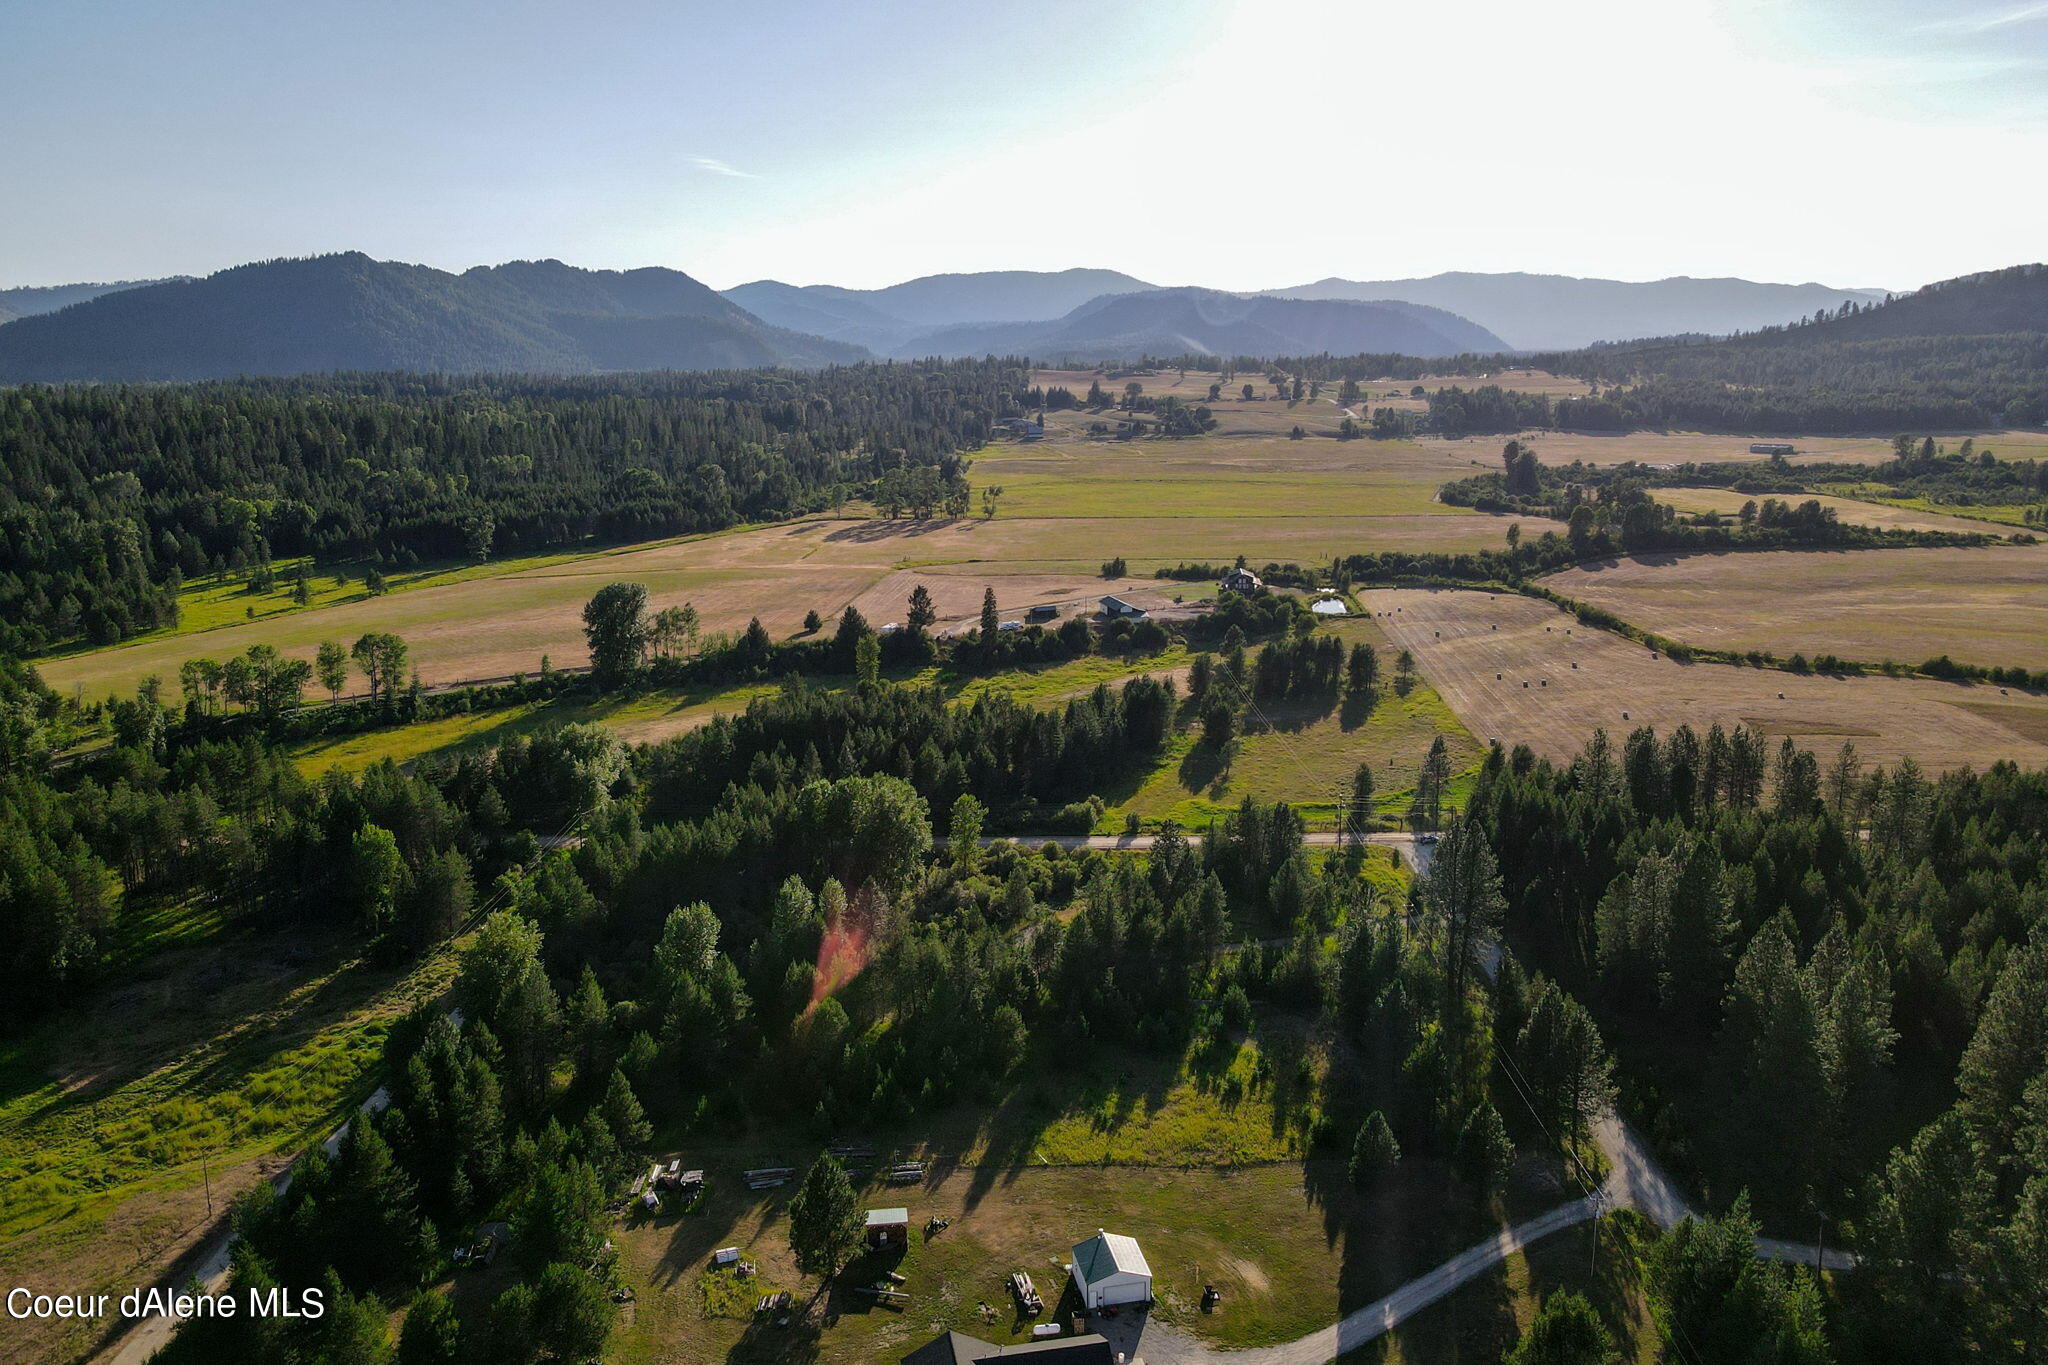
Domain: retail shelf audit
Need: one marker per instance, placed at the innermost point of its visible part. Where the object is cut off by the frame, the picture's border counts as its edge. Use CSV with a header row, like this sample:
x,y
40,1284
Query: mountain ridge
x,y
348,311
33,300
1564,312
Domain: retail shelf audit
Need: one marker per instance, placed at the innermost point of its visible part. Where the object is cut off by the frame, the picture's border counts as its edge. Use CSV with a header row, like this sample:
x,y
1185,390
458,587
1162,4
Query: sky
x,y
1239,144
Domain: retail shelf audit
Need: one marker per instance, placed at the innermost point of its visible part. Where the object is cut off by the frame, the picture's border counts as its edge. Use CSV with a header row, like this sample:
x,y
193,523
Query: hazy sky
x,y
1244,145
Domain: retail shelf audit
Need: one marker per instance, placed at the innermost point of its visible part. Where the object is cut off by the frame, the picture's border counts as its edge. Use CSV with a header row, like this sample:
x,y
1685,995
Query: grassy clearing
x,y
211,1065
121,1093
1290,1245
1305,754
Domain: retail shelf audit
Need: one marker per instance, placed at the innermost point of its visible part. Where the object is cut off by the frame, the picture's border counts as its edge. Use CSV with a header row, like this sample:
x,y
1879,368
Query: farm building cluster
x,y
1108,1274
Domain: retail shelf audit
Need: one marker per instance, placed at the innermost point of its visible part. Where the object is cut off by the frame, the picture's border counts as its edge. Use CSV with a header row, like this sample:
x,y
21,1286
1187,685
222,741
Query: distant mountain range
x,y
1525,312
1100,314
33,299
349,312
1208,322
1564,312
932,300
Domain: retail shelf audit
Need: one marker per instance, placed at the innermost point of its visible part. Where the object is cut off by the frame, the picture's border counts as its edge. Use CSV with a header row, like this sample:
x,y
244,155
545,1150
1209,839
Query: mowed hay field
x,y
1479,649
1852,511
1980,606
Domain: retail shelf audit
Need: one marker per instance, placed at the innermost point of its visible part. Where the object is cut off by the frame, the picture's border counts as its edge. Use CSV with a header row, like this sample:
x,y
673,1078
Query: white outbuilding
x,y
1110,1269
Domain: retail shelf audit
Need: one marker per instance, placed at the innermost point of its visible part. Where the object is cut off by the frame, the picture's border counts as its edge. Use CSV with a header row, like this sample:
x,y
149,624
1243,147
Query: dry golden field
x,y
1980,606
1852,511
1521,671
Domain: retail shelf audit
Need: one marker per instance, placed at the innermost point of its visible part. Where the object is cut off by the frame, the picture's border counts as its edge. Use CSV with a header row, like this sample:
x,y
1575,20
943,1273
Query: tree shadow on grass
x,y
1295,714
1401,1228
1109,1095
1206,769
764,1342
866,532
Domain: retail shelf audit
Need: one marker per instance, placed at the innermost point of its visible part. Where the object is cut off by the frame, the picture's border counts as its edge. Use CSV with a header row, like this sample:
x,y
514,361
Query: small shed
x,y
1109,1269
1044,611
1771,448
888,1229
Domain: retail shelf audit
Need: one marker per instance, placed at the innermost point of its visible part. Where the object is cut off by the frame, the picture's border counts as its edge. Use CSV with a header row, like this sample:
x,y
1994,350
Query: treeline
x,y
1613,504
112,496
1035,767
1829,984
1996,382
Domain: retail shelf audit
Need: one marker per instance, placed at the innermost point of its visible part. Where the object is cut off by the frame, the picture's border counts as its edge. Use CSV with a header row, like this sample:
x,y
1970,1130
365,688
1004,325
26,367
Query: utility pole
x,y
206,1174
1820,1250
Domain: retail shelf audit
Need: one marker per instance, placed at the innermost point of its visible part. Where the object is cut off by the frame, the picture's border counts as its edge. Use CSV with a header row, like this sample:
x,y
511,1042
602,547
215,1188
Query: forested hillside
x,y
111,497
349,312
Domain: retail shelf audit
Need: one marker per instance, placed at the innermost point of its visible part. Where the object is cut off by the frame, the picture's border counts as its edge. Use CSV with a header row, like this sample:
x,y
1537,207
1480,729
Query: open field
x,y
1580,679
1852,511
1304,753
1678,447
1982,606
239,1050
1069,504
1290,1244
206,604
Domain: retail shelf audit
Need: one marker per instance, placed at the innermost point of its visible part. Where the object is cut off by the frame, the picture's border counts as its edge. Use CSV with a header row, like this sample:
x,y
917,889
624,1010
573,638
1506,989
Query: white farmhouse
x,y
1110,1269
